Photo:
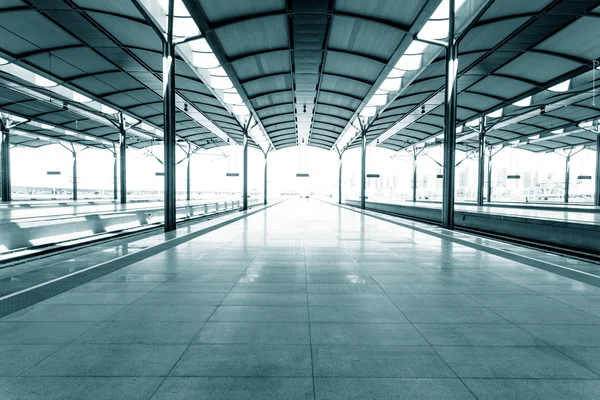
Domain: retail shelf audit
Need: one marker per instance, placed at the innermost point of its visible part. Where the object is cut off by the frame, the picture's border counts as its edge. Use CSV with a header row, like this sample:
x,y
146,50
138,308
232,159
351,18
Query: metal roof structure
x,y
109,52
508,60
306,70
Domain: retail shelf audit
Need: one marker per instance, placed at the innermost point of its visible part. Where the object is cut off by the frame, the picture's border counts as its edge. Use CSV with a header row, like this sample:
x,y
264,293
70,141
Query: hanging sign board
x,y
373,176
584,177
232,174
52,172
302,175
513,176
159,174
440,176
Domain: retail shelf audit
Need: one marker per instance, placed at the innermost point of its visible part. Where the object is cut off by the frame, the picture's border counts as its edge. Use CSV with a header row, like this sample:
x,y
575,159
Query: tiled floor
x,y
310,301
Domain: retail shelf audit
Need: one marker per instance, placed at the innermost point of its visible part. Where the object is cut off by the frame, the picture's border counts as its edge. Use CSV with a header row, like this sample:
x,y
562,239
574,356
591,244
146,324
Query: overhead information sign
x,y
160,174
584,177
302,175
373,176
513,176
440,176
52,172
232,174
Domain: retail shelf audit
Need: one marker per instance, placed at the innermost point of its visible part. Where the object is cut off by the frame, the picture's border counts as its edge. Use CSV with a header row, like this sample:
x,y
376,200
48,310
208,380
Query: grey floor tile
x,y
432,300
281,278
74,298
534,389
153,312
544,315
578,300
511,362
349,300
194,287
269,288
116,287
72,388
343,288
18,358
339,278
142,332
42,332
477,335
515,300
254,332
120,276
566,335
589,357
179,298
418,288
365,334
451,315
176,388
388,389
265,299
260,314
250,360
110,360
379,362
65,313
357,314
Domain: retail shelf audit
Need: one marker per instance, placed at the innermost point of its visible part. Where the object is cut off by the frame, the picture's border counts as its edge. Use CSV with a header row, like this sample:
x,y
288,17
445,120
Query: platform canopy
x,y
528,66
69,67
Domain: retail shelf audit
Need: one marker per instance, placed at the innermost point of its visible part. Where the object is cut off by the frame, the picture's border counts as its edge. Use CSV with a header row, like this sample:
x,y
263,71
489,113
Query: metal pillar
x,y
489,174
115,159
481,159
567,176
450,125
189,173
340,181
5,161
245,181
363,175
414,188
597,192
265,199
123,161
169,123
74,175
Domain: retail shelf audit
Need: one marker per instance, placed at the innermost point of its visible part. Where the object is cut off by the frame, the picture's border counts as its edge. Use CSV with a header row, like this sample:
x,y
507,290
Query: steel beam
x,y
5,161
597,191
489,174
245,180
169,124
450,124
363,176
340,180
481,162
74,153
265,195
115,162
567,176
414,188
123,161
189,174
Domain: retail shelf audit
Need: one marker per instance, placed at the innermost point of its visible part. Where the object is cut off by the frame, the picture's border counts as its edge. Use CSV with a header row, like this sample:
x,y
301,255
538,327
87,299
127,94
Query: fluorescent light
x,y
368,111
561,87
205,60
108,110
377,100
241,110
3,61
201,45
46,127
473,122
391,84
409,62
586,124
43,82
232,98
221,82
396,73
81,98
416,47
434,29
495,114
526,102
558,131
534,137
218,71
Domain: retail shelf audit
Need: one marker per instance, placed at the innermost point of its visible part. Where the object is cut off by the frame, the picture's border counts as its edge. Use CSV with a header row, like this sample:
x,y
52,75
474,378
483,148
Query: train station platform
x,y
303,300
568,226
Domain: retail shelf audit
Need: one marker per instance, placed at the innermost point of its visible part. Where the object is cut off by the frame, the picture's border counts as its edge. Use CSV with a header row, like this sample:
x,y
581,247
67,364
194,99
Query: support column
x,y
74,175
115,159
489,174
363,176
567,176
245,180
189,174
450,125
265,199
5,161
481,166
122,160
169,123
597,191
414,188
340,181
